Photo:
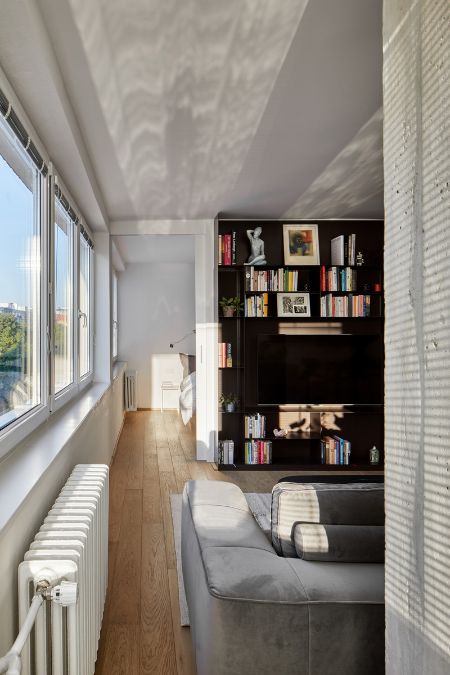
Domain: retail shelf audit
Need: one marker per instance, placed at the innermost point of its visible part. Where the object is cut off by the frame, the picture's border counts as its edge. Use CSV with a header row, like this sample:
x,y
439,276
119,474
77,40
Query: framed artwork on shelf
x,y
293,305
301,244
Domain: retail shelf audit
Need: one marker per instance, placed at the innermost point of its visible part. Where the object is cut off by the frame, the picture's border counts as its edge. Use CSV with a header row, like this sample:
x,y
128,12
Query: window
x,y
63,294
20,281
115,325
84,312
42,240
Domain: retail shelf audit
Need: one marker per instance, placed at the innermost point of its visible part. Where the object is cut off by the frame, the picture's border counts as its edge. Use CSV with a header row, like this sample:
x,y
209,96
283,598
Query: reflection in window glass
x,y
63,328
19,282
84,313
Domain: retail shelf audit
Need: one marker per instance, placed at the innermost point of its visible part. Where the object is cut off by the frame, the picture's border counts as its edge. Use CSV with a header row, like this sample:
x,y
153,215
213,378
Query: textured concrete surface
x,y
416,38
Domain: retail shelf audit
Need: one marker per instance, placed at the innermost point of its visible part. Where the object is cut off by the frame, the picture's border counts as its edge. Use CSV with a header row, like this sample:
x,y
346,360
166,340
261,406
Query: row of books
x,y
335,450
343,250
225,357
258,452
225,452
227,249
345,305
271,280
255,426
257,305
337,279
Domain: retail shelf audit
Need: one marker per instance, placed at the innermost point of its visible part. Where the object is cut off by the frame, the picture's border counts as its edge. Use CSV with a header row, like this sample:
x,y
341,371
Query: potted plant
x,y
229,402
231,306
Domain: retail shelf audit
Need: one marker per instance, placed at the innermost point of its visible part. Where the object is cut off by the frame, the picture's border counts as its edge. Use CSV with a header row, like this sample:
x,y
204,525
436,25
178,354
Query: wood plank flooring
x,y
141,632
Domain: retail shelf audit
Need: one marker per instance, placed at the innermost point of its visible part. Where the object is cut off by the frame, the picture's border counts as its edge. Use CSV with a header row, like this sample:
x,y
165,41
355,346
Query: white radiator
x,y
71,544
130,389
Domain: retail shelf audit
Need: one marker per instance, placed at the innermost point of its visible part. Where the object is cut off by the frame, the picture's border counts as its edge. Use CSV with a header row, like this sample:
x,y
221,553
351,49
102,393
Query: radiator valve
x,y
65,594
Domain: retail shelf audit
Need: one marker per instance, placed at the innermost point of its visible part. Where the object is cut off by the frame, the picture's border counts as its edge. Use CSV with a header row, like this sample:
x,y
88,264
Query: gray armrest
x,y
243,599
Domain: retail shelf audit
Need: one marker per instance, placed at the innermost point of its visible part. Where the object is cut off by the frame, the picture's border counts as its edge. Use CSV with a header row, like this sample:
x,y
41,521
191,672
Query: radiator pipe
x,y
11,663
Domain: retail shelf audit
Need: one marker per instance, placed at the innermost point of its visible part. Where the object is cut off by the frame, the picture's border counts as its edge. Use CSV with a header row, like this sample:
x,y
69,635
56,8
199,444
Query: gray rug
x,y
259,504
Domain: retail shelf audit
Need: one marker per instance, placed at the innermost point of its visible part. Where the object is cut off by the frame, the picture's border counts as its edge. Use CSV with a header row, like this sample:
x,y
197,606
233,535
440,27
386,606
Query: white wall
x,y
93,442
417,252
156,307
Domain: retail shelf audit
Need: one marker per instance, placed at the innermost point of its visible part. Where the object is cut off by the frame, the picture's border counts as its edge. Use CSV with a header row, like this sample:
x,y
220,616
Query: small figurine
x,y
359,259
280,433
257,256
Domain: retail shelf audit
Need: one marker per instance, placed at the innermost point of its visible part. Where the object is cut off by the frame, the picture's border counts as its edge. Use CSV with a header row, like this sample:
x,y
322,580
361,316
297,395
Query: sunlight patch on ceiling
x,y
341,190
182,91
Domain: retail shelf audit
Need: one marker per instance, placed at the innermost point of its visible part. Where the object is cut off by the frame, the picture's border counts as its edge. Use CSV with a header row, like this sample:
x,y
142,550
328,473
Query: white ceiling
x,y
175,109
156,248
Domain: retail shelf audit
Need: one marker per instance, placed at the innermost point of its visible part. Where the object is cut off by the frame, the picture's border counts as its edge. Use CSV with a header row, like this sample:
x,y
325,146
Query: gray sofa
x,y
253,611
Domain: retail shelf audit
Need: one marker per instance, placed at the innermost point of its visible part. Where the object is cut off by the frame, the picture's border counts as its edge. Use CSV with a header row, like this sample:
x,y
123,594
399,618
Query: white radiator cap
x,y
66,593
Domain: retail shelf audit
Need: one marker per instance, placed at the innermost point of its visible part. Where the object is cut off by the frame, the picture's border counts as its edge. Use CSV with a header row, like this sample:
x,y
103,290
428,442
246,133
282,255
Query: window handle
x,y
82,314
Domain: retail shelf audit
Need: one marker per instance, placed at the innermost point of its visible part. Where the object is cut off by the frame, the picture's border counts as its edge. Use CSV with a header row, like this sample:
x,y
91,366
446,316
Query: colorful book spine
x,y
345,306
225,355
258,452
335,450
227,250
255,426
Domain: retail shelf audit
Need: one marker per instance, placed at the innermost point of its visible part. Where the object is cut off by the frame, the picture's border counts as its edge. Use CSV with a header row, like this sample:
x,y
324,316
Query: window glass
x,y
115,325
63,319
84,310
20,283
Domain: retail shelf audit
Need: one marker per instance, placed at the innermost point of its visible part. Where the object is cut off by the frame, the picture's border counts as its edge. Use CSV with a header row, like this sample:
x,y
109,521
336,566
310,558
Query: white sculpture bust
x,y
257,256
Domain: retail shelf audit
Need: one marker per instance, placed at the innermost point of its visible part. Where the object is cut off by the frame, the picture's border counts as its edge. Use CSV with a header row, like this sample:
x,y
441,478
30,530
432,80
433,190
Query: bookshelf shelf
x,y
285,466
362,425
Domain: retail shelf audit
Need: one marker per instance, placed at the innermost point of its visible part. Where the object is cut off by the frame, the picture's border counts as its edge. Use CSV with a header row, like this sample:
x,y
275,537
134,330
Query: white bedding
x,y
187,397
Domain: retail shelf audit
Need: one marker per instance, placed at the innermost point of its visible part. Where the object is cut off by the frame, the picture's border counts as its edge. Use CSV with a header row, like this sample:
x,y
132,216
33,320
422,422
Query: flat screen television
x,y
320,369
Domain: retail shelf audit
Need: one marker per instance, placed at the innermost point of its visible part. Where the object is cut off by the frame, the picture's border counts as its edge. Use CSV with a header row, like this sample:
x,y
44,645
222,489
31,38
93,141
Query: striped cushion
x,y
343,504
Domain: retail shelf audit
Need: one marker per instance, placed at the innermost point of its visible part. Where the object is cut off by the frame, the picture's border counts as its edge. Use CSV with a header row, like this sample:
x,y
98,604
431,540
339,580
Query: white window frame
x,y
57,400
60,398
114,310
17,430
84,380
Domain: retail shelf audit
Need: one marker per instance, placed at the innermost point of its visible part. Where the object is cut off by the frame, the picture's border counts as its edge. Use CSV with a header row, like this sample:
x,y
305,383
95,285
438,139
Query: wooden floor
x,y
141,630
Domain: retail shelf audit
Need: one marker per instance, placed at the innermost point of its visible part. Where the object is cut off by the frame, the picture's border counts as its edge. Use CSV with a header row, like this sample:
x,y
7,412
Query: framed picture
x,y
301,244
293,304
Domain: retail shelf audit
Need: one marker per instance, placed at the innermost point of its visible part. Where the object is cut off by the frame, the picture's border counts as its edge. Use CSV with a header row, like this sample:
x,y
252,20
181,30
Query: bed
x,y
187,387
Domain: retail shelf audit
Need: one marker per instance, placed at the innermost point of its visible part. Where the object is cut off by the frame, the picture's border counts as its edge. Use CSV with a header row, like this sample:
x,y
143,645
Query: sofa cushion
x,y
346,504
339,543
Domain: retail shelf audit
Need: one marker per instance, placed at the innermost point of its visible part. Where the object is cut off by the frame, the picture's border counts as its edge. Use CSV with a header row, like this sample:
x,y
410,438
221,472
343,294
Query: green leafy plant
x,y
229,399
233,304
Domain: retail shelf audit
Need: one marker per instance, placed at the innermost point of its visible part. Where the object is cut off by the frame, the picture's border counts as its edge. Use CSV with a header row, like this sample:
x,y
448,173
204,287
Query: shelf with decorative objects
x,y
294,287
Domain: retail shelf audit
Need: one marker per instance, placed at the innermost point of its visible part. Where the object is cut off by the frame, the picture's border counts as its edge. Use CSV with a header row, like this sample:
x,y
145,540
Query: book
x,y
258,452
338,250
230,452
227,249
229,359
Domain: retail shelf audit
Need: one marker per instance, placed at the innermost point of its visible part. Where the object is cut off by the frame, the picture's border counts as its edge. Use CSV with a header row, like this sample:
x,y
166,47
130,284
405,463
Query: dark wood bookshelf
x,y
362,425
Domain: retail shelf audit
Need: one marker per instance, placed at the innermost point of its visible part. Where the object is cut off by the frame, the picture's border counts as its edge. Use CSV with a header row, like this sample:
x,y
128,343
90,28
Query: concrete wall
x,y
93,441
417,168
156,307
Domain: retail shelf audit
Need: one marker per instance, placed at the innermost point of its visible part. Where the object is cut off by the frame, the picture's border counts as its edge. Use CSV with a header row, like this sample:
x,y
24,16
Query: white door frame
x,y
206,322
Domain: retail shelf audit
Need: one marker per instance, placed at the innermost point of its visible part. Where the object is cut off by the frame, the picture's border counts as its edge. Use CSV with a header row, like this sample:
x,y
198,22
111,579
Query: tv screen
x,y
320,369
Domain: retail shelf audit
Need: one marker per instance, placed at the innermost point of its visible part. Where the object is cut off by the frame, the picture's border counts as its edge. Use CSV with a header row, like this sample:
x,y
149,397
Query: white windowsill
x,y
22,469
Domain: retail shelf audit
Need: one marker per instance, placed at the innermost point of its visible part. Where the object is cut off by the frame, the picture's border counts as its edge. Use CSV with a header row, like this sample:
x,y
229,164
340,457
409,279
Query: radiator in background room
x,y
72,544
130,381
